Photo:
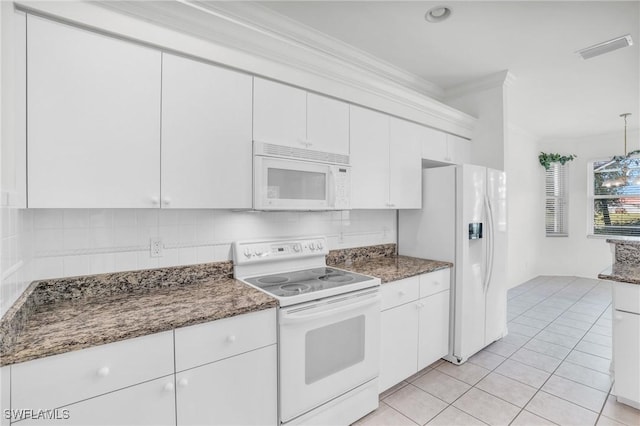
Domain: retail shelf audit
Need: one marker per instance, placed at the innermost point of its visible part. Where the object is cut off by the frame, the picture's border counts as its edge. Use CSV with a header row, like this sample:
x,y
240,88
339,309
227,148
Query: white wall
x,y
525,209
490,106
577,254
69,242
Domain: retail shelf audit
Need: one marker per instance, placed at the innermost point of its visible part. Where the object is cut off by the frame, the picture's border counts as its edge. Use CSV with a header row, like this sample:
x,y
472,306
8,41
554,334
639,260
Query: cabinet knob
x,y
103,371
231,338
168,387
166,201
183,383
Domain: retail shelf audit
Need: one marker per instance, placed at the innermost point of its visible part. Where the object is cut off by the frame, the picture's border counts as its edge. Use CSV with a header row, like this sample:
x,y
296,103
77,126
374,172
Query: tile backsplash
x,y
16,254
68,242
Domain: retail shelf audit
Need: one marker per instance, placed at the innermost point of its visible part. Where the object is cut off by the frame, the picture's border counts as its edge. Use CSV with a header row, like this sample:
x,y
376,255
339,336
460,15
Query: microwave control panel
x,y
342,187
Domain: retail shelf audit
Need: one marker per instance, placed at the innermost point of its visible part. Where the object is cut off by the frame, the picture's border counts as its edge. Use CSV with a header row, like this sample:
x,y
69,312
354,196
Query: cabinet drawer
x,y
400,292
435,282
200,344
626,297
66,378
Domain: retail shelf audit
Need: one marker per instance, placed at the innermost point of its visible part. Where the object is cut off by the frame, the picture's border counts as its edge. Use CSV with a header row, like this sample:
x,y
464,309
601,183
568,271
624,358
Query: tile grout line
x,y
553,373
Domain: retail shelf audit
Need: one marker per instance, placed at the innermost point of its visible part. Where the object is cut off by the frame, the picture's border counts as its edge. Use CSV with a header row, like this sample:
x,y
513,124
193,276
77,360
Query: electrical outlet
x,y
156,247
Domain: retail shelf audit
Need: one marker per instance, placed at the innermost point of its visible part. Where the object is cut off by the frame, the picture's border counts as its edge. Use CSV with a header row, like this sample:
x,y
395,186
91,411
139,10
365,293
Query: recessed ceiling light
x,y
605,47
437,14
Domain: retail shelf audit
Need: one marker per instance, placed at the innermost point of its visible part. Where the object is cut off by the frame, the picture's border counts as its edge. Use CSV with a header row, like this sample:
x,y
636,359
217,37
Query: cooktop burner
x,y
305,281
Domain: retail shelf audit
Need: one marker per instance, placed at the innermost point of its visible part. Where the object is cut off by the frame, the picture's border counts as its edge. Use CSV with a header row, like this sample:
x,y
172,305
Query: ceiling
x,y
555,93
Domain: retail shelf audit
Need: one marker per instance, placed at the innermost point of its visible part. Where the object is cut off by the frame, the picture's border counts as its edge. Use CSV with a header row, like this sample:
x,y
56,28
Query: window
x,y
614,197
556,223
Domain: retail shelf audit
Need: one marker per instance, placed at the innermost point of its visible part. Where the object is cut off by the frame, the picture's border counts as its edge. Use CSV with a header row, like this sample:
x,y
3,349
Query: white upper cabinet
x,y
386,161
285,115
327,124
434,145
206,135
445,148
279,113
459,149
369,159
93,119
405,163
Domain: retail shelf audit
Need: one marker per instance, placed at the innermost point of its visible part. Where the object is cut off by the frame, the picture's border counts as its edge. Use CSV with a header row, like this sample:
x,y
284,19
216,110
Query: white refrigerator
x,y
463,220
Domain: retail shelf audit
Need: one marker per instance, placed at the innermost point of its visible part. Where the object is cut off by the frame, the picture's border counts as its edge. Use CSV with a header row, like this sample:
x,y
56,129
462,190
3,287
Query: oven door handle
x,y
328,309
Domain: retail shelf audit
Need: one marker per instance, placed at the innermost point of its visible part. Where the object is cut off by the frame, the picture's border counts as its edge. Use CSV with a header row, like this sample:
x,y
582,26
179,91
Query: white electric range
x,y
329,329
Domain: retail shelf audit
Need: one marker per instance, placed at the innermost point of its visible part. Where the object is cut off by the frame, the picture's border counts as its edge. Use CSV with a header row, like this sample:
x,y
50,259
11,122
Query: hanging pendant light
x,y
621,162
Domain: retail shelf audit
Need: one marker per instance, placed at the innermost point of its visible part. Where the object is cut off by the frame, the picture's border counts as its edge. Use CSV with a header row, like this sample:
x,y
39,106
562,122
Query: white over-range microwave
x,y
290,178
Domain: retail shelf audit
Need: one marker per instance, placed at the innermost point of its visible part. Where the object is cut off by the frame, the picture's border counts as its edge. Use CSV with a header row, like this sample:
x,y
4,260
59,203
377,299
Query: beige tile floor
x,y
552,368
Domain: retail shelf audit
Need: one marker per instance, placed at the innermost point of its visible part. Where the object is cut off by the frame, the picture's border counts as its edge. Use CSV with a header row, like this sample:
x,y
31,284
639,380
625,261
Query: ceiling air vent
x,y
605,47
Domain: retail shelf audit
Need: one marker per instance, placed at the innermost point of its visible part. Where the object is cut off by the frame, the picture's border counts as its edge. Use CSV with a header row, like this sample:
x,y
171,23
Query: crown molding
x,y
491,81
251,38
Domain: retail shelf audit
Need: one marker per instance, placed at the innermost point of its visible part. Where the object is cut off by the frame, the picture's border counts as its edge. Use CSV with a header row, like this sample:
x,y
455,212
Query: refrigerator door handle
x,y
492,236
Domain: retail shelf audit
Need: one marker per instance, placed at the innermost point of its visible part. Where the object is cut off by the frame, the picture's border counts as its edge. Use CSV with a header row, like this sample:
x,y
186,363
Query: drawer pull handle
x,y
103,372
402,293
183,383
168,387
231,338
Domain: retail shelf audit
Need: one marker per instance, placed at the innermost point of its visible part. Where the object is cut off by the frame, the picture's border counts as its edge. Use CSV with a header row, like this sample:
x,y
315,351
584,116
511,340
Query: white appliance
x,y
329,329
464,221
289,178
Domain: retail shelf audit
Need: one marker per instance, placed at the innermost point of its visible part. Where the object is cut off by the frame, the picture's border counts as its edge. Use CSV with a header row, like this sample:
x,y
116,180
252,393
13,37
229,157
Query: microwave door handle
x,y
332,188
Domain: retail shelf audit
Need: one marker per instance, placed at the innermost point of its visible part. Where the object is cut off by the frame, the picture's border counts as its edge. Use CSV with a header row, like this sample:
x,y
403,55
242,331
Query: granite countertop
x,y
62,315
622,272
57,316
387,266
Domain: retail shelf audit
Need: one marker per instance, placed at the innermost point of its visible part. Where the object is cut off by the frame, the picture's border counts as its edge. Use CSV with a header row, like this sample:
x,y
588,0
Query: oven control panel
x,y
255,251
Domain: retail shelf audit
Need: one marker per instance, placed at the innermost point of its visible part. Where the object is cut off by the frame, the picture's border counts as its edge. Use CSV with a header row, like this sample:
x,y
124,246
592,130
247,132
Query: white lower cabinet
x,y
134,382
241,390
149,403
626,343
414,325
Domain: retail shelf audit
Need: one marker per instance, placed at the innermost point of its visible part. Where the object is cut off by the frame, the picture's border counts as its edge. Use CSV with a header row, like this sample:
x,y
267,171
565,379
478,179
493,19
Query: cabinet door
x,y
459,150
279,113
433,338
93,119
369,159
241,390
399,344
327,124
206,135
434,145
149,403
626,353
405,164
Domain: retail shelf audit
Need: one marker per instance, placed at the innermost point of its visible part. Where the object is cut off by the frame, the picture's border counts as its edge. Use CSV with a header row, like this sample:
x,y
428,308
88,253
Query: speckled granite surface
x,y
57,316
360,253
626,251
622,272
381,262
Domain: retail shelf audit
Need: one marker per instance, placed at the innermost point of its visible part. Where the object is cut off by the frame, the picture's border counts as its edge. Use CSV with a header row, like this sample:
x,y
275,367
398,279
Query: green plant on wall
x,y
546,159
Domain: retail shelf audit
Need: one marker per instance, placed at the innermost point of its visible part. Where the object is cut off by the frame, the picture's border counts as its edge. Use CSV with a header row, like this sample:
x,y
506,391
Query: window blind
x,y
556,214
